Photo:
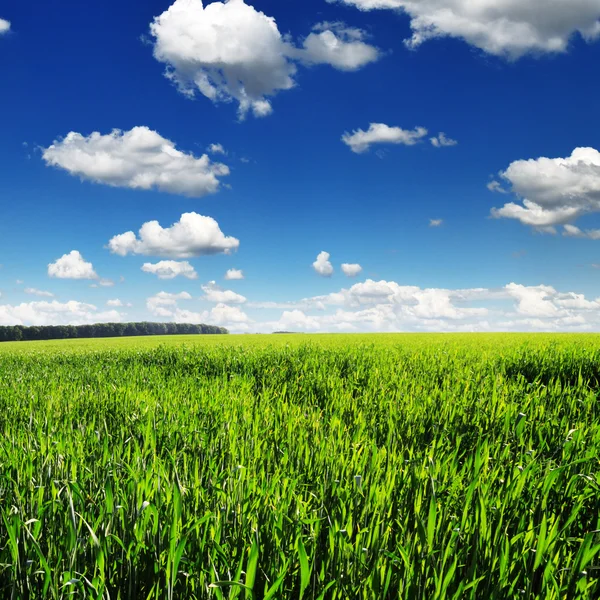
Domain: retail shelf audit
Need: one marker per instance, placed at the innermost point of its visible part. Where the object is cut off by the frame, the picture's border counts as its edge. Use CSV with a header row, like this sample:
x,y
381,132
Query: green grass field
x,y
297,466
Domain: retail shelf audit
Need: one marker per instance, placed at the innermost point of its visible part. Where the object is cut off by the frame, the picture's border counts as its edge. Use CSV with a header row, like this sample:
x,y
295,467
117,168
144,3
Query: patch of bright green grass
x,y
381,466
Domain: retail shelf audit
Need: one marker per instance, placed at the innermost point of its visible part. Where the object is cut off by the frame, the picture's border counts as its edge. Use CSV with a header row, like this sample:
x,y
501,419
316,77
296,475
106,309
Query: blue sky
x,y
515,89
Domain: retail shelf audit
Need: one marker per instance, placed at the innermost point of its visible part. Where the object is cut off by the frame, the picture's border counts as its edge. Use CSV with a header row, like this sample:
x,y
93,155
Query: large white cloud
x,y
4,26
55,313
322,265
553,191
229,51
193,235
509,28
360,141
214,293
72,266
139,159
169,269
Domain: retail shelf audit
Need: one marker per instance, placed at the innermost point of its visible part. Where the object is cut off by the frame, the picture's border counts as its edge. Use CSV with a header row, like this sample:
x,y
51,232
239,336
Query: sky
x,y
301,165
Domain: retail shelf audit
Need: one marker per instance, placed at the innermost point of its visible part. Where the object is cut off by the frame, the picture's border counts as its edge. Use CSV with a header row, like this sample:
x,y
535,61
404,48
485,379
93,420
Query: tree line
x,y
17,333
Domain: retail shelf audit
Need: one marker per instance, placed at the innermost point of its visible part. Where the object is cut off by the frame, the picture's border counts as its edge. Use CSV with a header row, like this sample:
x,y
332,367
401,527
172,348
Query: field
x,y
333,467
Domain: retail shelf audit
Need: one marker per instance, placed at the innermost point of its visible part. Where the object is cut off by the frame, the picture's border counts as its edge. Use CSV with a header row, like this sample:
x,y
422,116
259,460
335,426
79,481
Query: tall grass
x,y
454,468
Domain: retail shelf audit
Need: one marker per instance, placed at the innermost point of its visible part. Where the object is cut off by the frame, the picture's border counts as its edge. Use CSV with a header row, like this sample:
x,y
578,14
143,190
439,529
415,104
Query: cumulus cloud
x,y
351,270
229,51
360,141
233,274
36,292
138,159
166,305
55,313
4,26
388,306
553,191
339,46
436,222
535,301
500,27
214,293
441,140
296,319
229,316
169,269
193,235
322,265
72,266
116,303
163,303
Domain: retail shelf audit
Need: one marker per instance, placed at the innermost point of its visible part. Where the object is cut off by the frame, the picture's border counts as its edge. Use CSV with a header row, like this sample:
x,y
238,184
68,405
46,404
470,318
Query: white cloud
x,y
554,191
351,270
118,303
339,46
164,303
379,133
229,51
214,293
573,231
193,235
36,292
19,282
535,301
231,317
55,313
169,269
322,265
4,26
138,159
233,274
216,149
296,319
389,306
496,186
436,222
442,141
72,266
106,283
228,316
501,27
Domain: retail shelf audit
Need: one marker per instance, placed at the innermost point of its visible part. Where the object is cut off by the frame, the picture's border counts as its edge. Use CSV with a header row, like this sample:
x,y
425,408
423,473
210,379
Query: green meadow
x,y
301,466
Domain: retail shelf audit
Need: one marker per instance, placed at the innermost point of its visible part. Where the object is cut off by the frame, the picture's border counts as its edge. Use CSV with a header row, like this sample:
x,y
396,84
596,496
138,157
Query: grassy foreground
x,y
334,467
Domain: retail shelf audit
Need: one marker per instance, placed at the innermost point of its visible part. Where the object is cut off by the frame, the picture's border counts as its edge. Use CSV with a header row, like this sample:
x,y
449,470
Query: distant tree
x,y
16,333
